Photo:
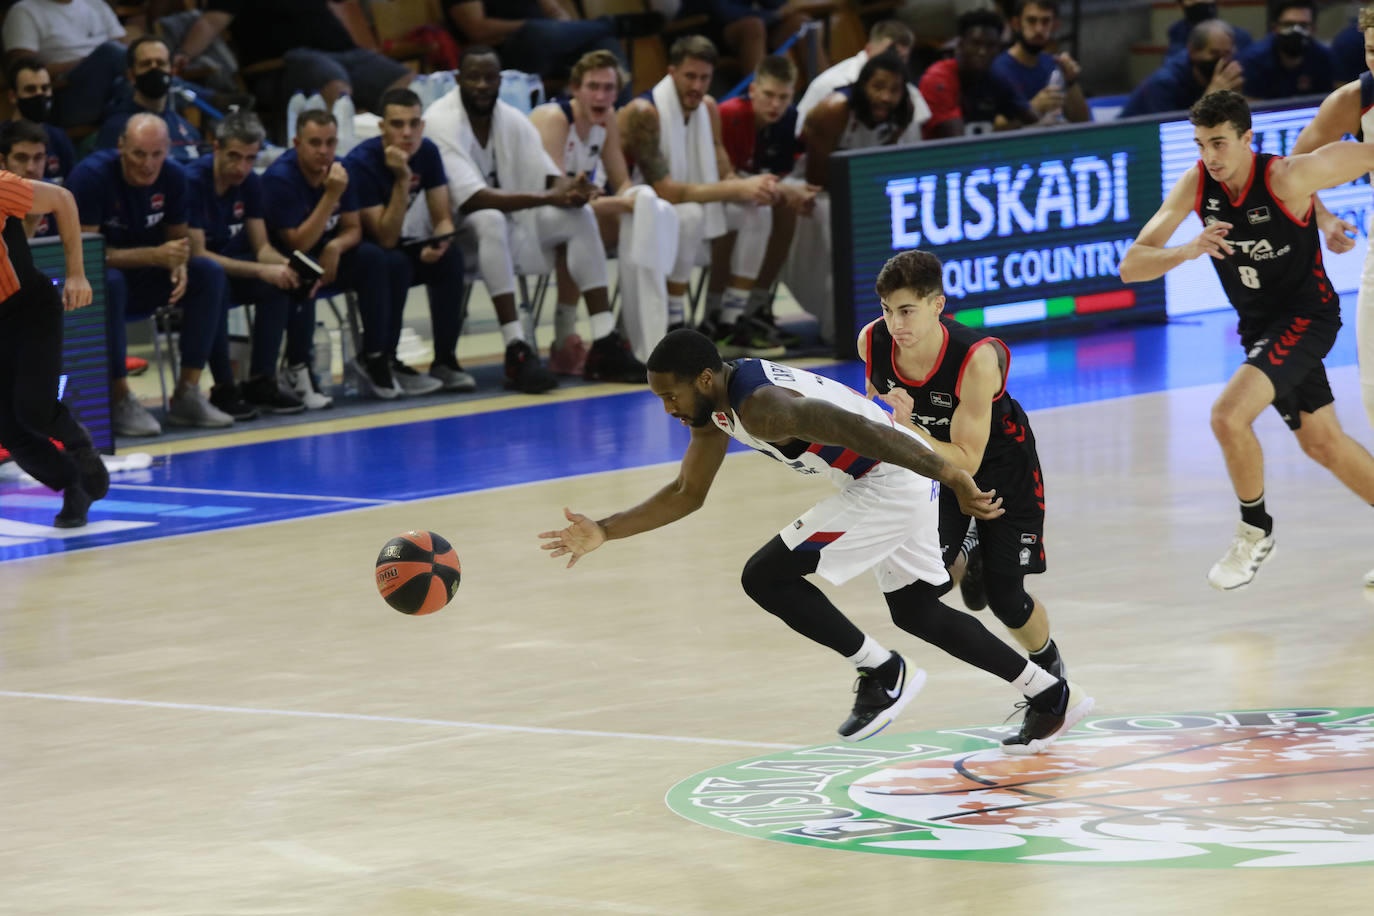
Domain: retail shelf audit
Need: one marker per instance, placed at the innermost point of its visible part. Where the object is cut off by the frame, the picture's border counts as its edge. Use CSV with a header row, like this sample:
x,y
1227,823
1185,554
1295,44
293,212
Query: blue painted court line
x,y
272,481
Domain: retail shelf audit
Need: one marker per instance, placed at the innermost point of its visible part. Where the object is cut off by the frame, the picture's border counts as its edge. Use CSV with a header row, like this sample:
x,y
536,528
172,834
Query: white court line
x,y
401,720
207,492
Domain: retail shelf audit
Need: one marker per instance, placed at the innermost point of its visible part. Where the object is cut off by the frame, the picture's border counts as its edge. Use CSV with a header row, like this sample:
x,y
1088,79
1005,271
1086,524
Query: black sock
x,y
1053,700
1252,513
1047,656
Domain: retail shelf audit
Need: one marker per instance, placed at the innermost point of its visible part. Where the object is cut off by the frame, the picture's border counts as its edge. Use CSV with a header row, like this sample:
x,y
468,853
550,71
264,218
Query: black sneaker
x,y
712,327
971,586
780,334
610,360
524,372
746,338
229,398
876,704
268,396
1049,718
75,503
95,477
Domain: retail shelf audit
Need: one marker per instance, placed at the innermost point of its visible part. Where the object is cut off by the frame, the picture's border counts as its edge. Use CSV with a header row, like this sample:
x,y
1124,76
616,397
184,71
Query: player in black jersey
x,y
1260,231
31,416
947,383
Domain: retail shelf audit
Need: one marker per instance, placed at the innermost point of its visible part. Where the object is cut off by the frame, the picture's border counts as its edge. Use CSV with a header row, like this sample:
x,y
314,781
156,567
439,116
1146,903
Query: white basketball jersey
x,y
842,466
579,155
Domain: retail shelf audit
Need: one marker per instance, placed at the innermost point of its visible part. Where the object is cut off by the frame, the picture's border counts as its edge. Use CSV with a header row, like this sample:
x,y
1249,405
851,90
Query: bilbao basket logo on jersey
x,y
1276,788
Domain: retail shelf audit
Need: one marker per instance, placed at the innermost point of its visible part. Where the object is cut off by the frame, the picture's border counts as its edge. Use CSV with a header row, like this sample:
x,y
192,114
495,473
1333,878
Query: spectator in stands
x,y
1195,12
137,199
320,55
673,133
30,95
760,137
312,207
889,33
150,74
1032,69
749,28
1347,54
1288,61
389,173
582,138
539,36
516,208
24,151
79,41
880,109
1206,67
227,226
966,96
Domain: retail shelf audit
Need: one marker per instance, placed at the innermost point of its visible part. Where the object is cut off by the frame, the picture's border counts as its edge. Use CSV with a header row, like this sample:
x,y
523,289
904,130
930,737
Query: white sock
x,y
603,323
564,322
512,331
870,654
677,308
732,305
1034,680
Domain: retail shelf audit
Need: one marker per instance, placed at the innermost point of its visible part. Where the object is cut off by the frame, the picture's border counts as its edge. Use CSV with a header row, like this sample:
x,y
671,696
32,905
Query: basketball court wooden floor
x,y
230,721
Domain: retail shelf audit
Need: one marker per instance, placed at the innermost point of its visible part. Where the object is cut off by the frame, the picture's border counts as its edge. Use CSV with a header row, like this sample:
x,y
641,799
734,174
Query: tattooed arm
x,y
777,415
639,131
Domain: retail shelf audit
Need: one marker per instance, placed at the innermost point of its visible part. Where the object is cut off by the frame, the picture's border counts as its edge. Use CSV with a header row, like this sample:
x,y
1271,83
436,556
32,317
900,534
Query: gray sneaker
x,y
192,408
453,378
130,418
412,382
372,377
301,382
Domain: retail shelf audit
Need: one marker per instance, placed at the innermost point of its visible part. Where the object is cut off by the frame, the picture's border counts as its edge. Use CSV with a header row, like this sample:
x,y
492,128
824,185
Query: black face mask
x,y
35,108
1032,47
153,84
1292,41
1199,12
1205,69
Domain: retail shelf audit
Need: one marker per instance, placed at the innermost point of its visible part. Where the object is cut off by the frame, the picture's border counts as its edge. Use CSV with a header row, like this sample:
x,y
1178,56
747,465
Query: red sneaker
x,y
569,359
135,365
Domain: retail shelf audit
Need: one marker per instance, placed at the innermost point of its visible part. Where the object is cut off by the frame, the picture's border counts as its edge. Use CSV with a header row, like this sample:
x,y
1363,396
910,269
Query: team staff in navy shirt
x,y
227,226
389,173
23,151
150,73
136,199
1028,66
1288,61
312,207
31,100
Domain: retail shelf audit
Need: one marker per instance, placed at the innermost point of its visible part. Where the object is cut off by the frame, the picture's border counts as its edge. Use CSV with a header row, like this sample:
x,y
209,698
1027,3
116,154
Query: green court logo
x,y
1277,788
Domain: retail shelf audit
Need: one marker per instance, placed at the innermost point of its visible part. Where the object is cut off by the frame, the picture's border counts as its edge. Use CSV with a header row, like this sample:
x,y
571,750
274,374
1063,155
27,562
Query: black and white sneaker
x,y
1046,721
524,371
971,587
875,703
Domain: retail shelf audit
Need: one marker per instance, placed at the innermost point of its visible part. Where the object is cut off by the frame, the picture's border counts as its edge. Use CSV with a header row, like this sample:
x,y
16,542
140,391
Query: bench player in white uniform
x,y
884,518
1350,110
582,138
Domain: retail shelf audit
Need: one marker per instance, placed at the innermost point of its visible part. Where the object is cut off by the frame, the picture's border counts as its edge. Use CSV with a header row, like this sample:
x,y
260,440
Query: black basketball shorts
x,y
1289,351
1014,542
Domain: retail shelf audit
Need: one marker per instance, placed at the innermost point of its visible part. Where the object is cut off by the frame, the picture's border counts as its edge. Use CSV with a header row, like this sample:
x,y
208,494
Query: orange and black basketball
x,y
418,572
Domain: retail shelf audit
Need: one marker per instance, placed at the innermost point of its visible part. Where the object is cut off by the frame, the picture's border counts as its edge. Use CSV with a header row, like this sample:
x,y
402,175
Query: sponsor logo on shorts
x,y
941,399
1256,789
1258,348
1025,556
797,524
1029,538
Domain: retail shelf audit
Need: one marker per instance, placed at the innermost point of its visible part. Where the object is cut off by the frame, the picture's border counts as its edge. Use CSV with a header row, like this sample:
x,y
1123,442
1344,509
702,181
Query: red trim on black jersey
x,y
939,358
959,379
1245,191
1279,200
1201,180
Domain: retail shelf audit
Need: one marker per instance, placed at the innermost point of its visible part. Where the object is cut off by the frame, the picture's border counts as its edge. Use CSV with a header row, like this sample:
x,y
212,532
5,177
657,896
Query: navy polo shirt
x,y
369,176
1170,88
288,201
1347,54
1266,78
128,217
1027,80
222,218
61,154
185,138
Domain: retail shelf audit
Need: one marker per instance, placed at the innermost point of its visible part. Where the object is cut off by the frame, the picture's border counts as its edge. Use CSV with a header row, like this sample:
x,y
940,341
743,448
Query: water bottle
x,y
1055,115
323,347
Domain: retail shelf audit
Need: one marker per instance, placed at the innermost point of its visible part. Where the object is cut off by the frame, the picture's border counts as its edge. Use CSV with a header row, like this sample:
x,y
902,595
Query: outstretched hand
x,y
578,539
973,501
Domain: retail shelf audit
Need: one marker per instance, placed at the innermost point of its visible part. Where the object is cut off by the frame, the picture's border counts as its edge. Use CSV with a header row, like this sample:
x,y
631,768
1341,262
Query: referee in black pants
x,y
31,416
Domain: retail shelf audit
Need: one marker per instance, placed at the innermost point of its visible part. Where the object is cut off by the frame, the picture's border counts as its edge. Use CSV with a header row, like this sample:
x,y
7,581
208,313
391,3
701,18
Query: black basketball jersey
x,y
20,260
936,396
1277,268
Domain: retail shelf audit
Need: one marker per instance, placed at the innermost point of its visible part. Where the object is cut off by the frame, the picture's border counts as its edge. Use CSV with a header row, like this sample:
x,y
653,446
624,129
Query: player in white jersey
x,y
1350,110
884,518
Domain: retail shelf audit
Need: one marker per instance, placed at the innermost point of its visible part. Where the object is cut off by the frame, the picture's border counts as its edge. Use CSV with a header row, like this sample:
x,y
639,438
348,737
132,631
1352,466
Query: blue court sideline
x,y
335,472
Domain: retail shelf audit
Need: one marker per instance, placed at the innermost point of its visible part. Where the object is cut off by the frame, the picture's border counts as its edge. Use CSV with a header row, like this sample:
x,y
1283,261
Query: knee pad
x,y
773,563
1008,599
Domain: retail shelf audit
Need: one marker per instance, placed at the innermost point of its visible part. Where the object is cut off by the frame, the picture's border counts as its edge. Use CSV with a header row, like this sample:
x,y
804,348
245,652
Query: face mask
x,y
1292,41
153,84
1032,47
1204,69
1199,12
35,108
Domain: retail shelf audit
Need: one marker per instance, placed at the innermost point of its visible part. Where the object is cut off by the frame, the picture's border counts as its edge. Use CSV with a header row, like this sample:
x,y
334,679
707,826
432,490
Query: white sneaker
x,y
300,381
1369,579
130,418
1249,549
410,381
192,408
